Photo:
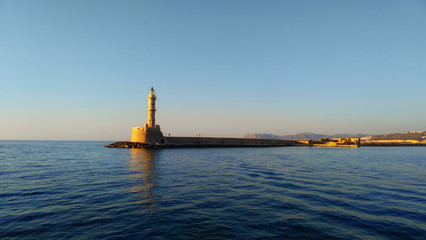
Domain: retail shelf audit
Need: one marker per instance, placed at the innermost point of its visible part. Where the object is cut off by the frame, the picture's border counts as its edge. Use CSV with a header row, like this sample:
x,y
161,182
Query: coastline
x,y
196,142
390,144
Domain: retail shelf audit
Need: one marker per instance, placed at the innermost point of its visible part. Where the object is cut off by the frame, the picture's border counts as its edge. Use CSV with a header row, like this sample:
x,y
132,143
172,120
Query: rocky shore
x,y
128,144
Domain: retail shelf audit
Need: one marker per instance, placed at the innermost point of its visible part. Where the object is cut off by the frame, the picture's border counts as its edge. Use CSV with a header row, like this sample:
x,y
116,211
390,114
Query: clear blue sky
x,y
81,70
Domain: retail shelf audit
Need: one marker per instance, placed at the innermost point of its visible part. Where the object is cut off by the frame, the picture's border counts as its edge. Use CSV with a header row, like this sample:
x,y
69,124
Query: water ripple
x,y
82,190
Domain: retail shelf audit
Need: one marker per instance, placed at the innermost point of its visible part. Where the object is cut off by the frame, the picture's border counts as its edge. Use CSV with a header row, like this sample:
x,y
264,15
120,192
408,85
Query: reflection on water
x,y
142,164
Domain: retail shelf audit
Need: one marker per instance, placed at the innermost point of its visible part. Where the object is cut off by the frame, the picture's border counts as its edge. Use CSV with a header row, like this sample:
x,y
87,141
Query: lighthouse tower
x,y
150,133
151,108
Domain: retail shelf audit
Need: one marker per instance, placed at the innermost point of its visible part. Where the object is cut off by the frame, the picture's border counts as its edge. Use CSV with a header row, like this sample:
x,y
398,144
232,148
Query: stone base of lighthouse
x,y
151,135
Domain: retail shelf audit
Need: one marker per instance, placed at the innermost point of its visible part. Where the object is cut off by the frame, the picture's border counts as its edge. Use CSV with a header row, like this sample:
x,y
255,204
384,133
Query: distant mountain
x,y
413,135
347,135
261,136
305,135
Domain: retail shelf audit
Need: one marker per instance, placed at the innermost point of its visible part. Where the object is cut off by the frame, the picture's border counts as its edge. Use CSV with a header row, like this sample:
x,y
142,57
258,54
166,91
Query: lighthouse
x,y
150,136
150,133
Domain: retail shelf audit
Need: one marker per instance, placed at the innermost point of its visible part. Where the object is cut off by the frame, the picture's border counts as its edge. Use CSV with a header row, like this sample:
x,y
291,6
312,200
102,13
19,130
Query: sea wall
x,y
225,142
202,142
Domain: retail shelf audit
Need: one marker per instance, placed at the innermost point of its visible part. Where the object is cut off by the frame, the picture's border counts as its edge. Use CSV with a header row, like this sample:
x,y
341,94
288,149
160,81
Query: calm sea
x,y
81,190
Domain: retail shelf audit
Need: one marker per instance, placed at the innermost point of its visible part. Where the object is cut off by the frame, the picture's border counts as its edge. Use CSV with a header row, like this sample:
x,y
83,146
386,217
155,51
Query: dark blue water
x,y
56,190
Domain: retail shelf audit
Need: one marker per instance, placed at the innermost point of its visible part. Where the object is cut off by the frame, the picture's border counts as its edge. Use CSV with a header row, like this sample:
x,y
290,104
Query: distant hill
x,y
305,135
261,136
413,135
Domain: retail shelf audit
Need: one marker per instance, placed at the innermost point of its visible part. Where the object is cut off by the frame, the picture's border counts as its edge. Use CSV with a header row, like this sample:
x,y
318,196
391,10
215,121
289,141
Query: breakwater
x,y
203,142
